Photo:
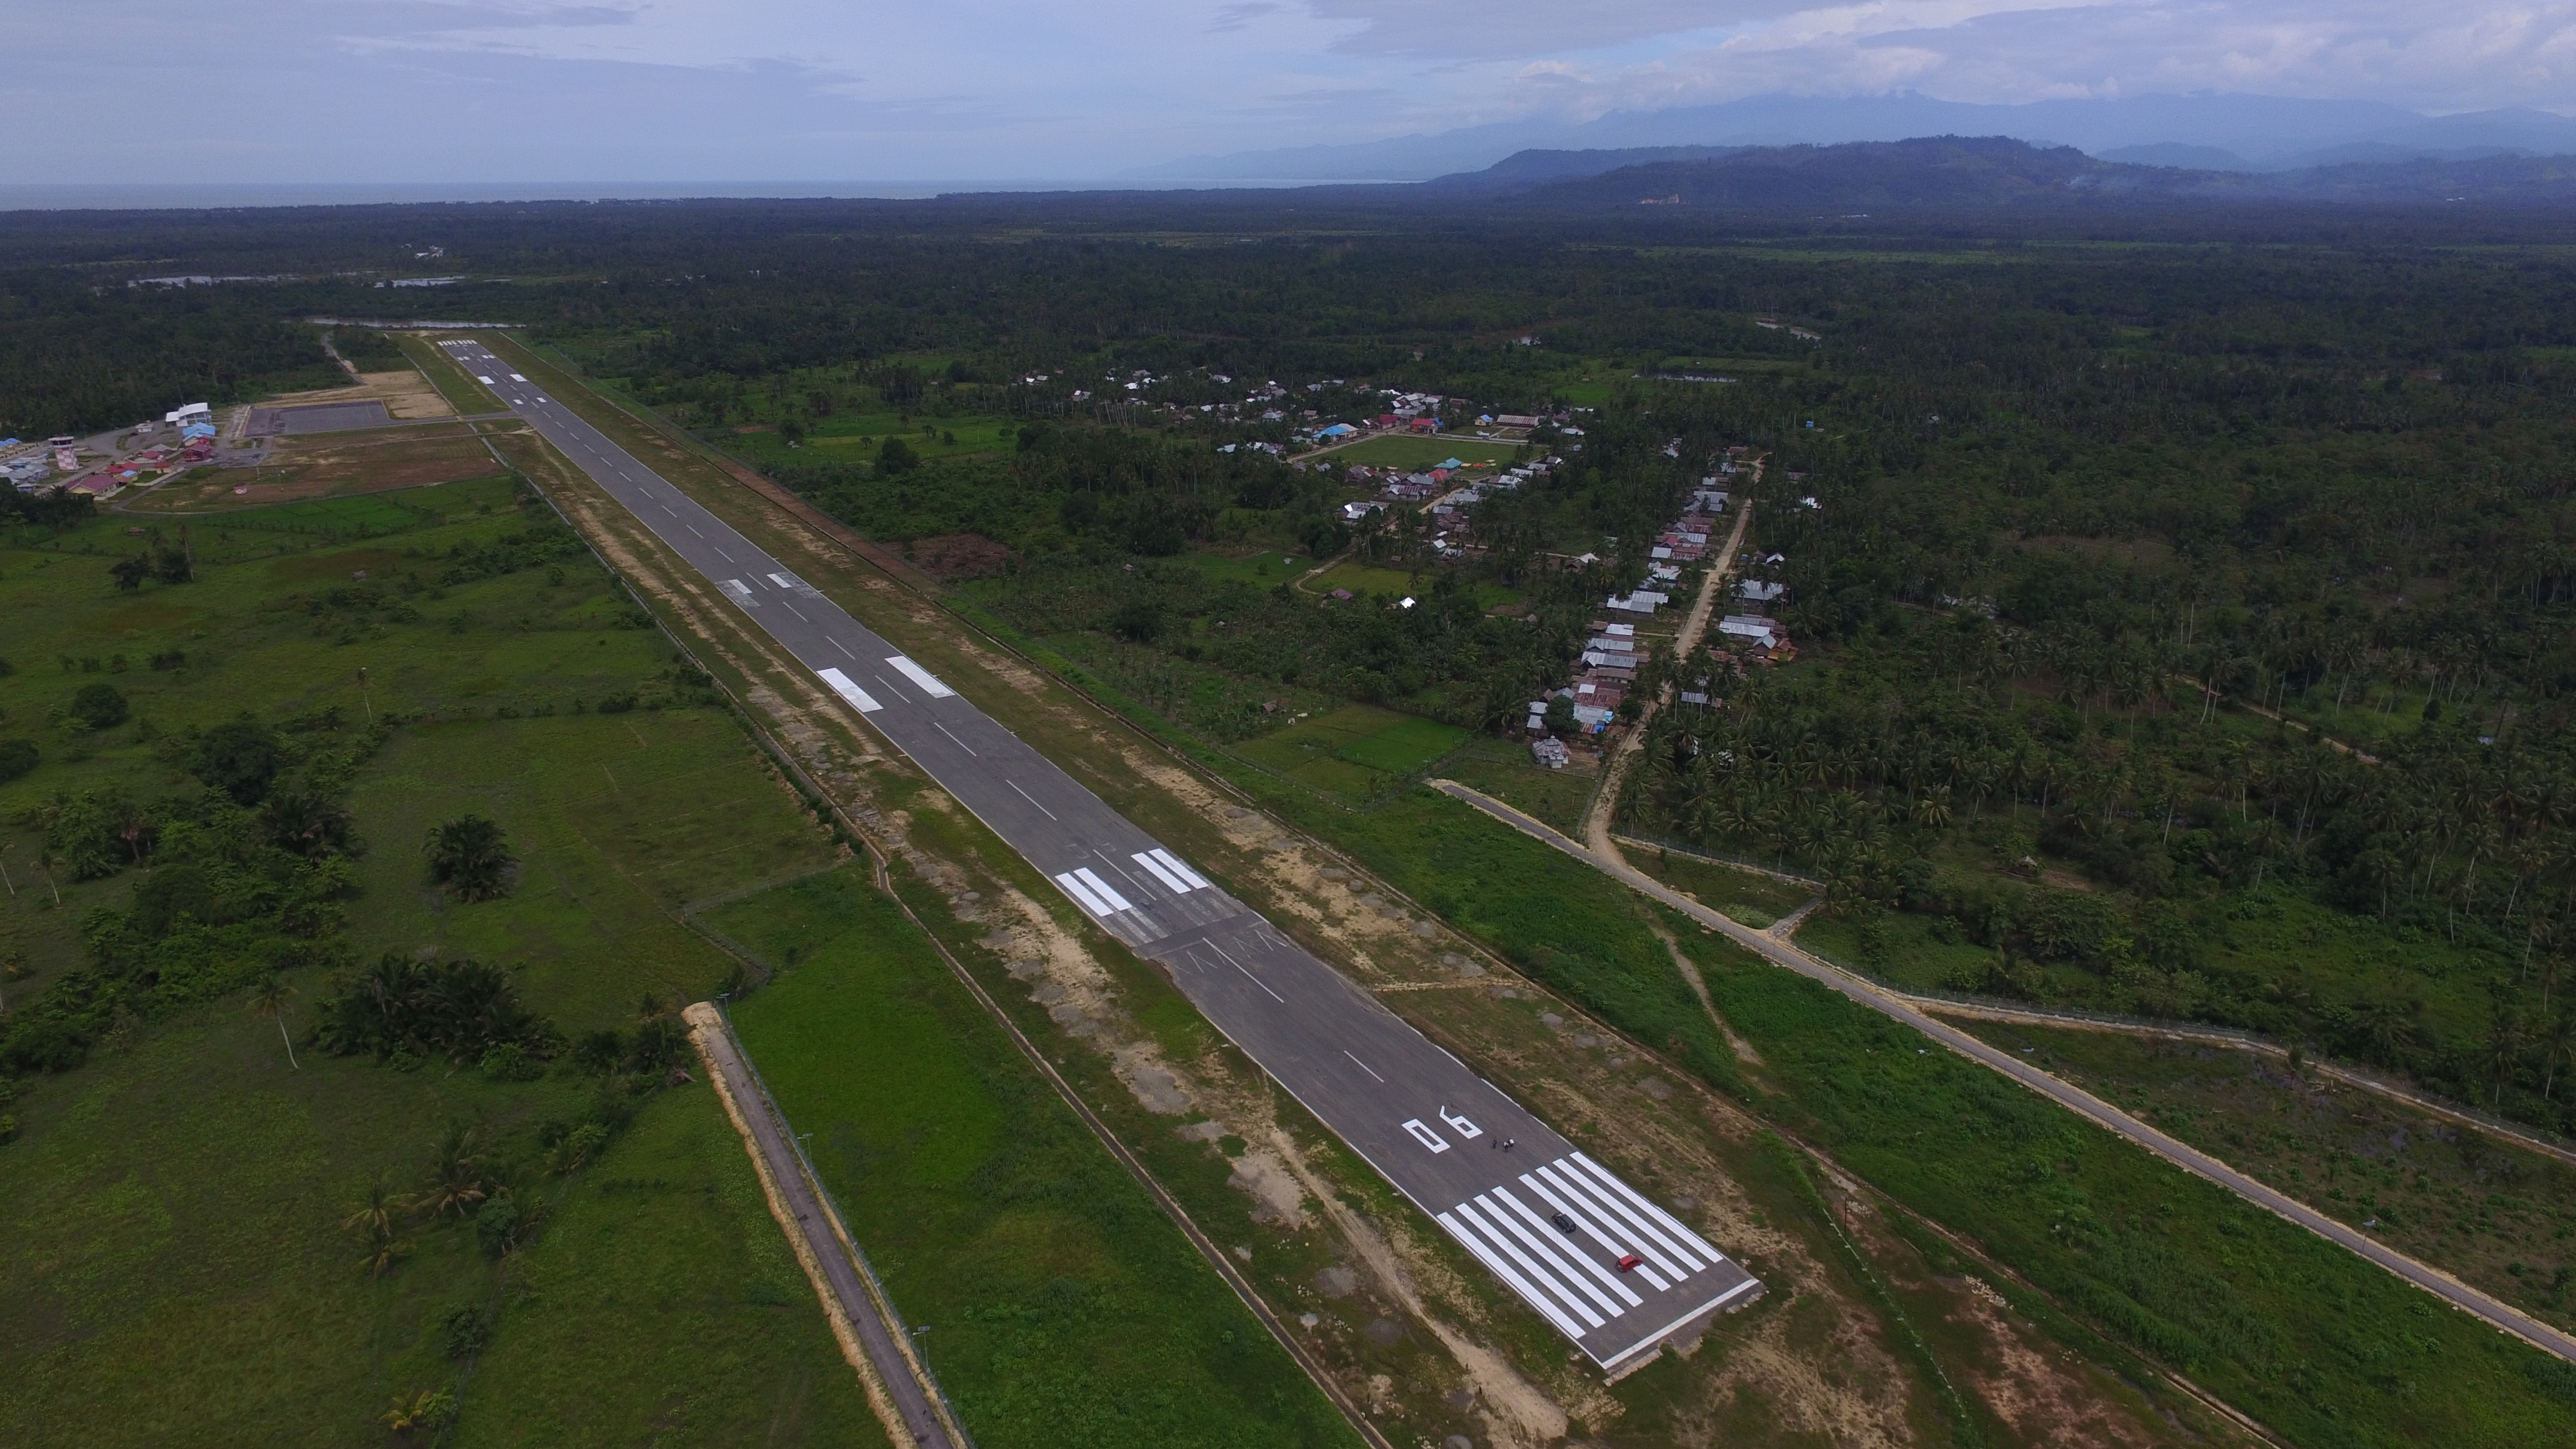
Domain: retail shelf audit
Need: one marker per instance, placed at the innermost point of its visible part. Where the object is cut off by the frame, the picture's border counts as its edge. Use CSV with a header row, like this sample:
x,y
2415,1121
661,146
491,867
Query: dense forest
x,y
2184,622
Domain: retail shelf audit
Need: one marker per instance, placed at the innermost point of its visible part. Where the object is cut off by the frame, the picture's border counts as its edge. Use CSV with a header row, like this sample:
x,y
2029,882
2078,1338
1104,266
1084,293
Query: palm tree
x,y
376,1221
268,999
470,856
456,1181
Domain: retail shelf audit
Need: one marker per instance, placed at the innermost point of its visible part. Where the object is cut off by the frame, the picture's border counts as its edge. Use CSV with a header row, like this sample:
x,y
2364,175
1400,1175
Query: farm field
x,y
179,1268
1055,1302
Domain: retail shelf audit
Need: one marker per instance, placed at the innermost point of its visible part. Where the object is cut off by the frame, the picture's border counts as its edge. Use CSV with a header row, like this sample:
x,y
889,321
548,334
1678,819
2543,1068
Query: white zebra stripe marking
x,y
842,686
928,681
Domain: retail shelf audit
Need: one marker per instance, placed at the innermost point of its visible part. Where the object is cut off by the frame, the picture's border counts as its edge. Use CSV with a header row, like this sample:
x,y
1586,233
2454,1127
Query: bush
x,y
17,757
471,857
100,706
498,1227
239,758
465,1330
400,1006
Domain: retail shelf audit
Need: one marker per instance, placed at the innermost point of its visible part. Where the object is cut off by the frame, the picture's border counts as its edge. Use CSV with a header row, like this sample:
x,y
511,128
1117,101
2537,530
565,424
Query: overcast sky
x,y
524,90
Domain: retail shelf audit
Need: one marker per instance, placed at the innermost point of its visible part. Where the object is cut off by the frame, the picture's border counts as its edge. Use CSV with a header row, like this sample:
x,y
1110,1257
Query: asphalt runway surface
x,y
1552,1224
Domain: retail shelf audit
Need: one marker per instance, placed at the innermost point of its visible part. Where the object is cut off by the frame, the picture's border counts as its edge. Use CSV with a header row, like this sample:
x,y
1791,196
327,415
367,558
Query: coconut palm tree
x,y
268,999
457,1182
376,1222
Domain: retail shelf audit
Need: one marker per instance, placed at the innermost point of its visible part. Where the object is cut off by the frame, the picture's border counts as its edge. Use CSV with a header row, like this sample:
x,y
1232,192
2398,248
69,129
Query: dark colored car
x,y
1563,1223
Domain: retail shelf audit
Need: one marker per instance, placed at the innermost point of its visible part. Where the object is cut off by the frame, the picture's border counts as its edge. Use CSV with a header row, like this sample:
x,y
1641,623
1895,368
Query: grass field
x,y
1505,770
1755,900
2500,1217
1267,569
177,1269
1413,452
1364,579
1354,751
1055,1302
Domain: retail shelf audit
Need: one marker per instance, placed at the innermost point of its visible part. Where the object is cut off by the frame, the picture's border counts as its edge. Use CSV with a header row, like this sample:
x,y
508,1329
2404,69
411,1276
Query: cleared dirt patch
x,y
952,556
327,467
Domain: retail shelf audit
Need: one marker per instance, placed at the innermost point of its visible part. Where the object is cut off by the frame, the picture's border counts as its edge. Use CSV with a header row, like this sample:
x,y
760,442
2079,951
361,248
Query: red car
x,y
1628,1261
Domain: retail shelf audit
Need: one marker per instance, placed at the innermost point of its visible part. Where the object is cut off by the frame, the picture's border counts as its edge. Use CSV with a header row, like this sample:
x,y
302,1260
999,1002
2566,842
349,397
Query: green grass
x,y
1364,579
1412,452
177,1269
1505,770
663,1306
1267,569
1060,1306
1354,751
2498,1216
1755,900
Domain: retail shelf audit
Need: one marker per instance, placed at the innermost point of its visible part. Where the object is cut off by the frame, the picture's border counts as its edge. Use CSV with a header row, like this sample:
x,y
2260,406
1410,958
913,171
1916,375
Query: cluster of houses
x,y
1448,490
191,440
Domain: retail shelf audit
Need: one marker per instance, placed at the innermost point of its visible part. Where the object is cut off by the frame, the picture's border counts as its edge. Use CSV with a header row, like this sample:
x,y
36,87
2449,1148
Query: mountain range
x,y
1962,173
2215,133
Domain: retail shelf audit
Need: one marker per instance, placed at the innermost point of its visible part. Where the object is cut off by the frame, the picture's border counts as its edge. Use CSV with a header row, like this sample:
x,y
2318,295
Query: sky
x,y
148,91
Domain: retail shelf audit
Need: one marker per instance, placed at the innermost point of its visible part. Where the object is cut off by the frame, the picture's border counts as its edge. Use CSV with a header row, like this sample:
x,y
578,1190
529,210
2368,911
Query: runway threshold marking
x,y
842,686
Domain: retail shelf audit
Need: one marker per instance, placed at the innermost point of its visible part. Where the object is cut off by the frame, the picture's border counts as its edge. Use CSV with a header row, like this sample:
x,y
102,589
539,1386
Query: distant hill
x,y
1966,173
2258,133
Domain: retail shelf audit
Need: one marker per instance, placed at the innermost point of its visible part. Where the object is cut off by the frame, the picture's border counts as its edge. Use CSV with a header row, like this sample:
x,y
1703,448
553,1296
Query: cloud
x,y
820,88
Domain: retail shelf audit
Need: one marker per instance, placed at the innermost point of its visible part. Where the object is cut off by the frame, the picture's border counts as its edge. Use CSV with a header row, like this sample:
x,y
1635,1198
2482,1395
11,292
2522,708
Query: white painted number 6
x,y
1465,1128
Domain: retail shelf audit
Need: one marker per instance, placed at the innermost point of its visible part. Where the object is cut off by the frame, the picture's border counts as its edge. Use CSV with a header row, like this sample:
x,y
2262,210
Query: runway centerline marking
x,y
1363,1066
1032,799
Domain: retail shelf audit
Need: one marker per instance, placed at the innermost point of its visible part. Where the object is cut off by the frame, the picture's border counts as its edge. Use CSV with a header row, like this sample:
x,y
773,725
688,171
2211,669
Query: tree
x,y
471,857
17,757
377,1221
100,706
268,999
239,758
1560,716
456,1178
896,456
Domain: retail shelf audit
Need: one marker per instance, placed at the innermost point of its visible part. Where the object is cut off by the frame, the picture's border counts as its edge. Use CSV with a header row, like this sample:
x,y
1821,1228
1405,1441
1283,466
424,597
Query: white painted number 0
x,y
1426,1136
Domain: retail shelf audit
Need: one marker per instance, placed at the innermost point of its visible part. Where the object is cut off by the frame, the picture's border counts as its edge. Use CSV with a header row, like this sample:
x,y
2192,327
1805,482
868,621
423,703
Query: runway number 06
x,y
1433,1140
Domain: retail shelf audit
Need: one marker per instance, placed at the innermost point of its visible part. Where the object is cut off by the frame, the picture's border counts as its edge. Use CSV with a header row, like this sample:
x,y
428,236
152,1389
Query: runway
x,y
1552,1225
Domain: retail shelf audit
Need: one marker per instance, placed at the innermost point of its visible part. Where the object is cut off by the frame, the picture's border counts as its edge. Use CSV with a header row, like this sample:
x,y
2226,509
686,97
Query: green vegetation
x,y
1353,752
2319,1345
258,1193
1505,770
1756,900
1058,1304
2495,1215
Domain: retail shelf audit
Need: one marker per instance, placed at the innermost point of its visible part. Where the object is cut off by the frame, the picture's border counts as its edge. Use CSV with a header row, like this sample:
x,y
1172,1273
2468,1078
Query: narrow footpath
x,y
2496,1312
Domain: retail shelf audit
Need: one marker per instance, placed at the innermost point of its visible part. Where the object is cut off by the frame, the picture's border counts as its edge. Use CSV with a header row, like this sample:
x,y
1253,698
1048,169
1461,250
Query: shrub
x,y
400,1006
100,706
17,757
465,1330
471,857
239,758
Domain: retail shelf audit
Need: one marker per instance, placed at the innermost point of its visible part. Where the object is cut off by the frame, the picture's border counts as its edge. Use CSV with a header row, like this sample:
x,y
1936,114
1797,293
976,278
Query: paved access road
x,y
1550,1222
2433,1280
